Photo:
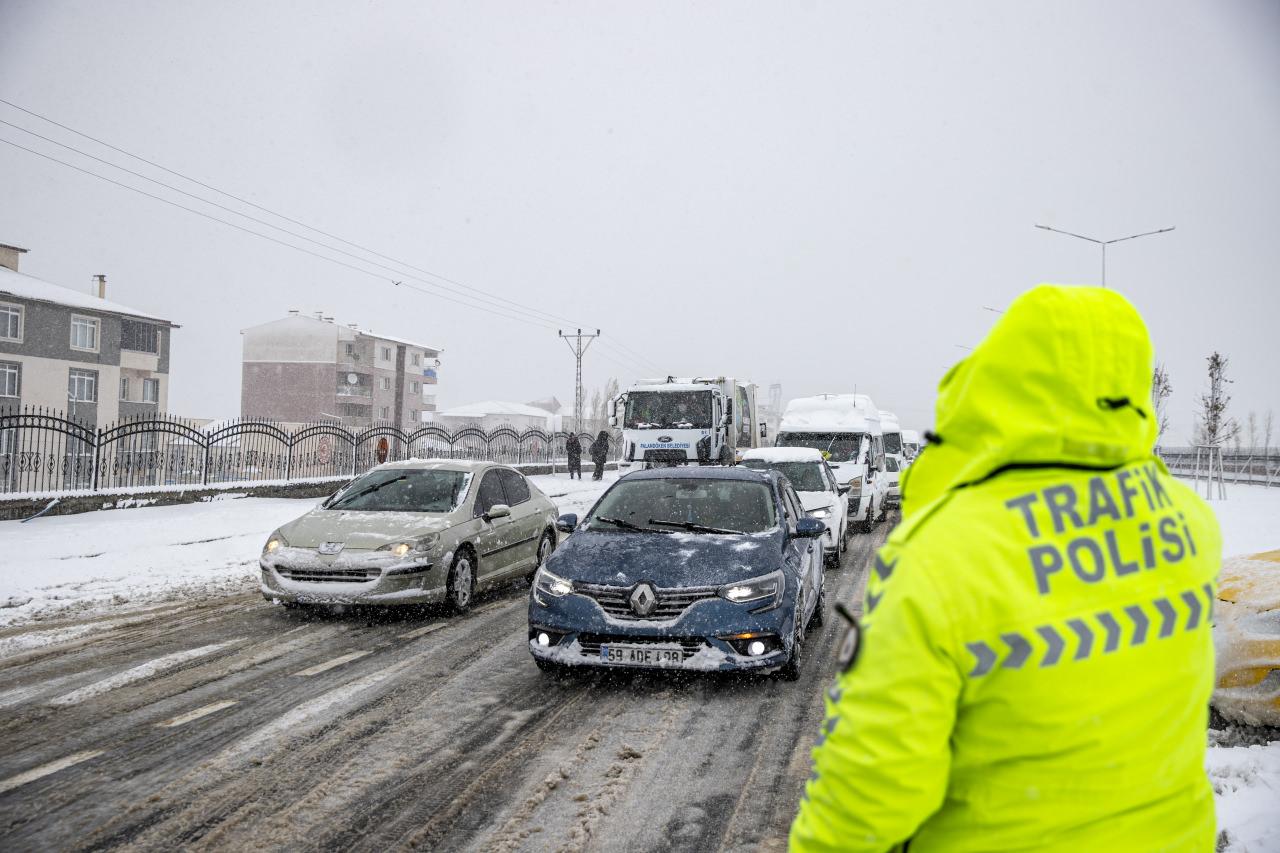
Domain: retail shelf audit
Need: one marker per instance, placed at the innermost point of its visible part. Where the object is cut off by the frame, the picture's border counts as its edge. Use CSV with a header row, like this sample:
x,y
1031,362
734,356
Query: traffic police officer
x,y
1035,660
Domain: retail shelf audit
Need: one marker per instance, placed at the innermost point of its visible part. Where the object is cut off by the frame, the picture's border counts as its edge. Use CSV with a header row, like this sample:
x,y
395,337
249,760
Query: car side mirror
x,y
844,490
497,511
810,528
567,523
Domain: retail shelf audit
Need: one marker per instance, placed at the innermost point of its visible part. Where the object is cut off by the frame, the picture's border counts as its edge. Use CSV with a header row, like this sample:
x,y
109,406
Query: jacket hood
x,y
1063,378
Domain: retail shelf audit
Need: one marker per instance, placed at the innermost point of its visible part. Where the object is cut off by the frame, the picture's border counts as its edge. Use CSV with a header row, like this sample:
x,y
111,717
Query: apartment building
x,y
77,352
307,368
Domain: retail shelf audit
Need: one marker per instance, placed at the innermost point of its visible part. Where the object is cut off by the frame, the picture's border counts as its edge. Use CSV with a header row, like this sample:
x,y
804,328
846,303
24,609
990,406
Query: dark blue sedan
x,y
706,569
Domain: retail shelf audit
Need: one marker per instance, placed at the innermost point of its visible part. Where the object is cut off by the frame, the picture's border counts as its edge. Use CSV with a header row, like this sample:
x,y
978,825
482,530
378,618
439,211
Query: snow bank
x,y
1246,789
95,561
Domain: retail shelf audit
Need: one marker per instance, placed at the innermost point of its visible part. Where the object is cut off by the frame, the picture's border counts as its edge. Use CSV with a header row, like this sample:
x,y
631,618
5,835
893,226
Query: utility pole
x,y
1105,243
578,344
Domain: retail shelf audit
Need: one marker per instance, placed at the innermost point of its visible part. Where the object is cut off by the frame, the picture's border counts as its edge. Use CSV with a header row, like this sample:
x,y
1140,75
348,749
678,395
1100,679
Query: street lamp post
x,y
1105,243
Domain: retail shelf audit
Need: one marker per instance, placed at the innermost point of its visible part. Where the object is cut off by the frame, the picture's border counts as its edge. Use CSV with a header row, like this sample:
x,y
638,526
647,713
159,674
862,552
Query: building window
x,y
84,333
386,383
11,323
351,351
151,390
82,386
10,374
386,353
124,388
139,337
414,387
413,416
416,359
386,413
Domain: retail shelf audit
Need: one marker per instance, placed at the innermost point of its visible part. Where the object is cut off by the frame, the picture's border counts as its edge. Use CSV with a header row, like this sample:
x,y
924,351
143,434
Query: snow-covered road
x,y
148,694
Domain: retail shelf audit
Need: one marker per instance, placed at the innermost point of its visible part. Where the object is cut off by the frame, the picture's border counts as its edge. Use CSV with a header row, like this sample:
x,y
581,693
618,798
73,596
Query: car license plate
x,y
641,655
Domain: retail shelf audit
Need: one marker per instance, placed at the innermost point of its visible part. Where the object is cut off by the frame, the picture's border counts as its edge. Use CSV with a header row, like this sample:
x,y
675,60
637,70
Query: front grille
x,y
616,600
314,575
591,643
666,457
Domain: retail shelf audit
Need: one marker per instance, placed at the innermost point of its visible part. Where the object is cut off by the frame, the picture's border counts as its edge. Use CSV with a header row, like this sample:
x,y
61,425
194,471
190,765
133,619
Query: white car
x,y
821,496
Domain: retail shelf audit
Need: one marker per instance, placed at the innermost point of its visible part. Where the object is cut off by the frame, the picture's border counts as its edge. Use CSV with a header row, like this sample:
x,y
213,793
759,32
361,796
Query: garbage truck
x,y
686,421
846,428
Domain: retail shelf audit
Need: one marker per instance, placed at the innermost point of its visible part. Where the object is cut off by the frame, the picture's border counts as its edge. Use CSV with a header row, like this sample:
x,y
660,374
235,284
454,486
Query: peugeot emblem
x,y
643,600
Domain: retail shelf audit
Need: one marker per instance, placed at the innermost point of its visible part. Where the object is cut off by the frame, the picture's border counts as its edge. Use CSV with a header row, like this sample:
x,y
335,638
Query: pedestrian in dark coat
x,y
573,447
600,453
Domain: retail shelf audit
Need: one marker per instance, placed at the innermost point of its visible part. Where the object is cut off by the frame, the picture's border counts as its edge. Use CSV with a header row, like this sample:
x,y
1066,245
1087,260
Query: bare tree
x,y
1161,388
1213,426
1266,434
1252,423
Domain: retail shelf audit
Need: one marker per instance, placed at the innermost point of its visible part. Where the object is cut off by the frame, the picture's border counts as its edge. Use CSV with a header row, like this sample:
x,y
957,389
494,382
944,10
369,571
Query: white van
x,y
850,439
911,444
895,457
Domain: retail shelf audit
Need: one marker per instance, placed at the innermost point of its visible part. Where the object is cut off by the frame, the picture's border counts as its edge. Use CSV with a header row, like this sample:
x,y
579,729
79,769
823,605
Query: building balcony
x,y
354,391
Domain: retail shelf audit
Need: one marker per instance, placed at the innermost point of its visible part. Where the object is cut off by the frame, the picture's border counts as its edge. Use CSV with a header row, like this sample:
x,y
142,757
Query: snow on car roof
x,y
829,413
784,454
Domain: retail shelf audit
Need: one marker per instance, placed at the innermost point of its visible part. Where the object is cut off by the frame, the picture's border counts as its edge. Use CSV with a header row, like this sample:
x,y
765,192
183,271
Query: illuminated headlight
x,y
767,590
756,648
545,583
419,545
274,542
543,639
820,513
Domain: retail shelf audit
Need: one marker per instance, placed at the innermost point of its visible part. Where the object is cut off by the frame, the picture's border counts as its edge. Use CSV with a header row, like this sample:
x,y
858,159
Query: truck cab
x,y
701,421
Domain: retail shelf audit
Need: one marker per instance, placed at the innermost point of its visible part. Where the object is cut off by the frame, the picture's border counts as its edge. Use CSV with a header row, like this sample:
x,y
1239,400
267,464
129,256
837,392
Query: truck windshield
x,y
839,446
893,442
668,410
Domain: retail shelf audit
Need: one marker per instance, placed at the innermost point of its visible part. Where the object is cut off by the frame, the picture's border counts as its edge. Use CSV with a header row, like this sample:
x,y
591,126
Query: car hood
x,y
816,500
665,560
360,530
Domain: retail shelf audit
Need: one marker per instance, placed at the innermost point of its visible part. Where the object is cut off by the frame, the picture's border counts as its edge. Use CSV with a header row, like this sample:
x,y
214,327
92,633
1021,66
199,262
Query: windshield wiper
x,y
626,525
367,490
693,527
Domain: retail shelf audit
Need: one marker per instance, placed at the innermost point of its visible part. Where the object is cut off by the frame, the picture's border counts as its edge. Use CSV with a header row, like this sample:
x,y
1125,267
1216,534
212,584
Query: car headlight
x,y
766,590
419,545
822,512
274,542
856,483
549,584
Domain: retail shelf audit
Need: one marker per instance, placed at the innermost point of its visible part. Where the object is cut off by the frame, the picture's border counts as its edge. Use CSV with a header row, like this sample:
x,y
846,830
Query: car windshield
x,y
668,410
404,490
892,442
804,476
839,446
696,506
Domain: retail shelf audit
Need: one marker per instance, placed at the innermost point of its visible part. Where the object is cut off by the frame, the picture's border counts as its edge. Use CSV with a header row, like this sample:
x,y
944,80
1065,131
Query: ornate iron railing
x,y
42,451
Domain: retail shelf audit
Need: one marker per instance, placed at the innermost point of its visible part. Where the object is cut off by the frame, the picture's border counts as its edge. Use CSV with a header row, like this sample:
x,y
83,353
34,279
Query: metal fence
x,y
1259,466
43,451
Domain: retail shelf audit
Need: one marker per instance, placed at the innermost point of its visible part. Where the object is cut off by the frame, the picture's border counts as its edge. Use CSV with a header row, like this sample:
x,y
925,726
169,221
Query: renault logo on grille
x,y
643,600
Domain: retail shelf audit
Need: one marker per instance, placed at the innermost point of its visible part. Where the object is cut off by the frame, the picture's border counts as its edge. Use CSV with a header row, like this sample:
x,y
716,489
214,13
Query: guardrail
x,y
1259,467
44,453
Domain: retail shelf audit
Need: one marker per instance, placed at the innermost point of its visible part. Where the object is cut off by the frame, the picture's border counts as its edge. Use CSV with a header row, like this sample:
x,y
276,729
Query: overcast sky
x,y
818,194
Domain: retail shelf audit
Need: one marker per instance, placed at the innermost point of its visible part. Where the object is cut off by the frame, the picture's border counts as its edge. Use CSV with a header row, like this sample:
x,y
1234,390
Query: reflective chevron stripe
x,y
1053,638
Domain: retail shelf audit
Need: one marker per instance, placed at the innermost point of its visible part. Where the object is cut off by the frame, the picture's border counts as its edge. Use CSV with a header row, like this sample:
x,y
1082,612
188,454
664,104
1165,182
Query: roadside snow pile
x,y
1246,789
1249,518
59,565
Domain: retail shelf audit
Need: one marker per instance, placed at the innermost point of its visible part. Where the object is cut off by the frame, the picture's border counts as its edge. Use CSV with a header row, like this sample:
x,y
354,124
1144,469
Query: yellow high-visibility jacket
x,y
1036,658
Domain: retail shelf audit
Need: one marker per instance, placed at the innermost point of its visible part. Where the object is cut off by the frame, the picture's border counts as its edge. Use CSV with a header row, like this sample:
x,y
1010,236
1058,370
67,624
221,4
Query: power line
x,y
380,276
485,296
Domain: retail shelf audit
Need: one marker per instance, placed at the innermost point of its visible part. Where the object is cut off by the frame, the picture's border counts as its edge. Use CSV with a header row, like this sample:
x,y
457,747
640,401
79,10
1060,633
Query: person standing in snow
x,y
1035,657
600,453
573,448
